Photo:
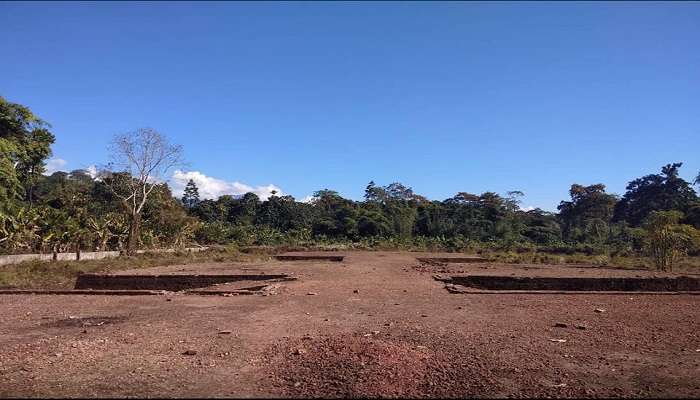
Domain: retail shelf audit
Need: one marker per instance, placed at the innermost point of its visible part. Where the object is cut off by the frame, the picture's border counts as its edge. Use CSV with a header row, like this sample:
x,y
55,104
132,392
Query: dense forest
x,y
126,209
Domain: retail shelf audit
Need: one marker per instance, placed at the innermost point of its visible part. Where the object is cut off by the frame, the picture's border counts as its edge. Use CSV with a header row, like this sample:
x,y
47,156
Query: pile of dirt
x,y
348,367
397,367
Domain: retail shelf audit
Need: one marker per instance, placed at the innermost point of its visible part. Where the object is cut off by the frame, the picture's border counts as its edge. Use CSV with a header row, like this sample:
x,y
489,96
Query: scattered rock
x,y
225,332
297,384
356,291
424,315
312,294
560,325
298,351
168,299
599,310
582,327
558,340
189,353
375,332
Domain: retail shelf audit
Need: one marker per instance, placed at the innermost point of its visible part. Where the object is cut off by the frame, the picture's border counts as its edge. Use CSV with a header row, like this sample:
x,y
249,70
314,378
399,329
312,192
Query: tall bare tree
x,y
140,160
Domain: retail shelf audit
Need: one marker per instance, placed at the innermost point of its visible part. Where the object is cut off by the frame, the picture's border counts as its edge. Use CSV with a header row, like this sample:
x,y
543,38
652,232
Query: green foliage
x,y
10,187
587,216
656,192
165,222
667,239
217,232
122,209
25,143
190,197
20,231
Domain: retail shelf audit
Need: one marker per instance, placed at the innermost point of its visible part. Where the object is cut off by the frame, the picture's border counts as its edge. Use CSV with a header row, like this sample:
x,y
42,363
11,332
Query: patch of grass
x,y
61,274
685,265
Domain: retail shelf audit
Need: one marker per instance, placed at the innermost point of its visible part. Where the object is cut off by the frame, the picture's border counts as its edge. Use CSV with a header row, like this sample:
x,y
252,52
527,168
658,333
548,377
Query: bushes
x,y
214,233
667,239
250,235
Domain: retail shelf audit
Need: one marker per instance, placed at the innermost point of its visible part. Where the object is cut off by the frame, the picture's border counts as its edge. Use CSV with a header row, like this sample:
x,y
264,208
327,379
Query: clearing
x,y
372,324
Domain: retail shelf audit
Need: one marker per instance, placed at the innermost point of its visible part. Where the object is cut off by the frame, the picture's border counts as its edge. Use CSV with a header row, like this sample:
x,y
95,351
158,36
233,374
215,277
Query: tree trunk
x,y
77,251
132,239
54,256
103,244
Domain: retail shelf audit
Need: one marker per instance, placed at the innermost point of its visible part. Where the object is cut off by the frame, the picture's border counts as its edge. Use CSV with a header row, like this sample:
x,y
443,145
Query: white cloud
x,y
308,199
528,208
55,165
92,170
212,188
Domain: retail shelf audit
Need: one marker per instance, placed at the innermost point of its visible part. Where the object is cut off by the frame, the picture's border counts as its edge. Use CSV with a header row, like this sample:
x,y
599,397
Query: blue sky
x,y
444,97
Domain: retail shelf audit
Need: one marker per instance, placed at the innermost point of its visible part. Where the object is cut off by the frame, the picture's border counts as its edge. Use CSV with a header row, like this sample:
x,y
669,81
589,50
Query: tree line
x,y
128,205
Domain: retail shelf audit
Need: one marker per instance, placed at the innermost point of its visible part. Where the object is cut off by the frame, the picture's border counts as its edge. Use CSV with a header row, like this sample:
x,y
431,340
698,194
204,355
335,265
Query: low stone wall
x,y
84,255
457,260
166,282
309,258
677,284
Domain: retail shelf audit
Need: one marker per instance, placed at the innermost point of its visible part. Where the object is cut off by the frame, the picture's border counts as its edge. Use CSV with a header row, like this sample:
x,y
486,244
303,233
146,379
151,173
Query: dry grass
x,y
685,265
62,274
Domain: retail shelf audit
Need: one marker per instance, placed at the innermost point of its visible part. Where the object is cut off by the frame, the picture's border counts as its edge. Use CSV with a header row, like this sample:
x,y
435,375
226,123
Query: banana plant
x,y
120,230
19,231
185,233
102,228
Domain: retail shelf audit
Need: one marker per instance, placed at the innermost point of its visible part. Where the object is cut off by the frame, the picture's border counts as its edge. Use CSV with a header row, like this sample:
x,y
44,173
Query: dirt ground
x,y
374,325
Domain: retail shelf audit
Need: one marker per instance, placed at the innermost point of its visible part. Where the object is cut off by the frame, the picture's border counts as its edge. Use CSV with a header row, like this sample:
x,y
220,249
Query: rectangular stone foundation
x,y
165,282
677,284
451,259
309,258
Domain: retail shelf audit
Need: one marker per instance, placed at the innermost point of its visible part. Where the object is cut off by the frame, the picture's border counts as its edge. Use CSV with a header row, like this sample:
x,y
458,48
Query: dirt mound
x,y
397,367
348,367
